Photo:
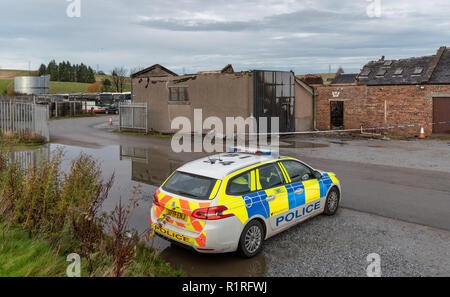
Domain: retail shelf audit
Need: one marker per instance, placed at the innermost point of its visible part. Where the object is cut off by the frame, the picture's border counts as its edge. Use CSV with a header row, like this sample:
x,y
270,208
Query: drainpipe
x,y
314,108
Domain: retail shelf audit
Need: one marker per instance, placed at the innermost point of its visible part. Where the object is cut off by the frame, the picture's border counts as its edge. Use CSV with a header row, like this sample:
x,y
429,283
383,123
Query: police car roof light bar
x,y
256,151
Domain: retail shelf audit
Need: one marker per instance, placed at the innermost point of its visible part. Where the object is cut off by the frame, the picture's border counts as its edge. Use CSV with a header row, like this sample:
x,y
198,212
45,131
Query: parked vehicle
x,y
112,109
234,201
93,107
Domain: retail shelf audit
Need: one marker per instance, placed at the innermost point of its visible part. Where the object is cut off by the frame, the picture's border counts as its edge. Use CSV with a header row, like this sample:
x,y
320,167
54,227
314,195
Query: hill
x,y
56,87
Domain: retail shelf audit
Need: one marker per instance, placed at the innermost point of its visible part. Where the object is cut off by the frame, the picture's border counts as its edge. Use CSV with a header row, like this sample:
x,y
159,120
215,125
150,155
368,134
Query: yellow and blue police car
x,y
234,201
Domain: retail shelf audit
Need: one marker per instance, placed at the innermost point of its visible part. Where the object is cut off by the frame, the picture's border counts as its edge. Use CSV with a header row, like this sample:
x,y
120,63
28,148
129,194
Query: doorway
x,y
337,114
441,113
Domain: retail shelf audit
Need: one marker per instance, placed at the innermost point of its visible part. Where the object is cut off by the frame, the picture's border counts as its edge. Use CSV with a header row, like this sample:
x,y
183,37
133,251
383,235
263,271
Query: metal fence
x,y
23,118
133,116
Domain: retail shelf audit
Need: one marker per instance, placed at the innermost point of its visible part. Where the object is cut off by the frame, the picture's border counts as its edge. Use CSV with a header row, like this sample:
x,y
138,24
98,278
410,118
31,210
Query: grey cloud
x,y
201,35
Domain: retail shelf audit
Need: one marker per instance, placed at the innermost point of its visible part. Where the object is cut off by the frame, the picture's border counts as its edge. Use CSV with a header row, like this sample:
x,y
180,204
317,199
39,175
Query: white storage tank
x,y
32,84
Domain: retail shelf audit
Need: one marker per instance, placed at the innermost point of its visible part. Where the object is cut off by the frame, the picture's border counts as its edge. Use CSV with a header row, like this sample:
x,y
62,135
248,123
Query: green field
x,y
56,87
6,85
62,87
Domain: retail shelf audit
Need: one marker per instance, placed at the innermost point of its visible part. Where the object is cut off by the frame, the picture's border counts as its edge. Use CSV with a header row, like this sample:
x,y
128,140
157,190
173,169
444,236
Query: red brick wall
x,y
365,105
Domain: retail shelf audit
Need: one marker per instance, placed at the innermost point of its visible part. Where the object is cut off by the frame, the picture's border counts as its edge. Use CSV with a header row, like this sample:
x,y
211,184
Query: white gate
x,y
24,118
133,116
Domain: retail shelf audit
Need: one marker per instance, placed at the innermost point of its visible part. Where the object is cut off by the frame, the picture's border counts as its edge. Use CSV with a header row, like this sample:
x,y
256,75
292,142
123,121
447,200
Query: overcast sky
x,y
193,35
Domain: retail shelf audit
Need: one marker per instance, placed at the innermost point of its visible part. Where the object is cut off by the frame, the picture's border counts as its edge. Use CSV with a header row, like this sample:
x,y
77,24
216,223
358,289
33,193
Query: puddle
x,y
338,142
302,144
149,168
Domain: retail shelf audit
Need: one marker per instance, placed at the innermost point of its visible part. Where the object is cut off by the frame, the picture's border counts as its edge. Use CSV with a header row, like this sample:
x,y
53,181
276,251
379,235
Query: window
x,y
398,71
365,72
178,94
270,176
297,171
239,185
381,72
388,63
418,70
190,185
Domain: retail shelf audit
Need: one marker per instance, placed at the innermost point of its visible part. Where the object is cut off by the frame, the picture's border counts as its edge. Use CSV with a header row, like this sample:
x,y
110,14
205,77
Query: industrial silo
x,y
32,84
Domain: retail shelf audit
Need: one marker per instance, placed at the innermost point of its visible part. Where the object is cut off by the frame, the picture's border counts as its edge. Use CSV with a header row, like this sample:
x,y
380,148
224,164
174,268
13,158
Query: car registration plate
x,y
177,215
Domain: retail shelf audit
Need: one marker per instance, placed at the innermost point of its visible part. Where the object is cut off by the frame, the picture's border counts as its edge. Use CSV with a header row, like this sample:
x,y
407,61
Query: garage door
x,y
441,113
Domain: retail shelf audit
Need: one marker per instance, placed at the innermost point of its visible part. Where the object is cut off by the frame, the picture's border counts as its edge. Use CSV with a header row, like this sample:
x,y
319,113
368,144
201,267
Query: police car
x,y
234,201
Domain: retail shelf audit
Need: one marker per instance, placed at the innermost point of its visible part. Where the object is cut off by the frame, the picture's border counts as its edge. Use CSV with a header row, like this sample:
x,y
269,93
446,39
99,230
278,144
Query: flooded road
x,y
149,168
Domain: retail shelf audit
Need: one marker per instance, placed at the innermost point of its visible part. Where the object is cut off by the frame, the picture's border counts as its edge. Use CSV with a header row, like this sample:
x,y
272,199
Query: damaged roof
x,y
395,72
226,69
155,70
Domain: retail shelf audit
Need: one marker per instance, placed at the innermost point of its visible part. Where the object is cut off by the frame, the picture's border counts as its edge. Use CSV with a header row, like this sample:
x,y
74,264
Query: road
x,y
396,209
407,194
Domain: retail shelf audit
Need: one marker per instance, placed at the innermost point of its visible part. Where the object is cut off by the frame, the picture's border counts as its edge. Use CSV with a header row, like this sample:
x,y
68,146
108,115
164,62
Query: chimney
x,y
382,58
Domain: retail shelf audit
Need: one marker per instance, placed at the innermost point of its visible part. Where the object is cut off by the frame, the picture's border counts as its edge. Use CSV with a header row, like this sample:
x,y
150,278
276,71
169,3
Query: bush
x,y
94,88
64,208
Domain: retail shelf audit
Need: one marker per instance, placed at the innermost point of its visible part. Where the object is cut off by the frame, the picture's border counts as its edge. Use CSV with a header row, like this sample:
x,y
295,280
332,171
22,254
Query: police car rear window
x,y
190,185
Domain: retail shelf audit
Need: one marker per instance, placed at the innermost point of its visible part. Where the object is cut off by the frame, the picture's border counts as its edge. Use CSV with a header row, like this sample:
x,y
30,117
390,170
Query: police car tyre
x,y
332,203
251,241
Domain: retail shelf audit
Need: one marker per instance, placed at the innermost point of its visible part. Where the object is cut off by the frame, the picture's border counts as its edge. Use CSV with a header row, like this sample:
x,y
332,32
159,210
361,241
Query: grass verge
x,y
47,213
11,141
22,256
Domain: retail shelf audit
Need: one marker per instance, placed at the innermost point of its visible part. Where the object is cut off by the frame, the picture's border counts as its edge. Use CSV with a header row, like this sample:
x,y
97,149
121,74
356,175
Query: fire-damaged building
x,y
223,93
389,93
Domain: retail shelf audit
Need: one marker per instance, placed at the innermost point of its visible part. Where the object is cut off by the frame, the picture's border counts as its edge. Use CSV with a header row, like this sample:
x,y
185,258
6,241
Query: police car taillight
x,y
155,200
211,213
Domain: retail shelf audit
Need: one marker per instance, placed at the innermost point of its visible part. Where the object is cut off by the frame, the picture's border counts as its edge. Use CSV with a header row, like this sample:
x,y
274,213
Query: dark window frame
x,y
175,94
296,161
204,198
283,179
227,190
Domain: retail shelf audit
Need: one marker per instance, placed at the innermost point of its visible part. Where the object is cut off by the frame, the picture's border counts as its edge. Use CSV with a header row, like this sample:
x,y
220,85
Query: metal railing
x,y
133,116
23,118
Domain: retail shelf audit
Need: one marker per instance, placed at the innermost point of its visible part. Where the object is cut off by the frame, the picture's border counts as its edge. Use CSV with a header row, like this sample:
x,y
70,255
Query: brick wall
x,y
376,106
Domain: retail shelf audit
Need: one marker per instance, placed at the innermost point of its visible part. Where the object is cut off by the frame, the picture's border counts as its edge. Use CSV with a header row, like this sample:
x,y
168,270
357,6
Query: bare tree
x,y
135,69
119,77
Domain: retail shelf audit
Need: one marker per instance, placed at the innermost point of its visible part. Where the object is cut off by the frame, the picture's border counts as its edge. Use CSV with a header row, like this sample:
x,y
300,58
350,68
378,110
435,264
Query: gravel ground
x,y
419,154
339,245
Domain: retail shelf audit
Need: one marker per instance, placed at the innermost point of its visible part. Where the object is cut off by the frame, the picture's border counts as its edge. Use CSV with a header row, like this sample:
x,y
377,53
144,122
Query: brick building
x,y
389,92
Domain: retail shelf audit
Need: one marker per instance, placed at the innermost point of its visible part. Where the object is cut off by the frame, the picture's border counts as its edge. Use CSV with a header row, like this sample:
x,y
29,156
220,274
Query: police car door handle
x,y
271,197
299,191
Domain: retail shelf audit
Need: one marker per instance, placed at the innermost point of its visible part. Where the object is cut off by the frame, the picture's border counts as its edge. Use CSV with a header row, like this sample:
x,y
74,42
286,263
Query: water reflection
x,y
214,265
29,157
149,168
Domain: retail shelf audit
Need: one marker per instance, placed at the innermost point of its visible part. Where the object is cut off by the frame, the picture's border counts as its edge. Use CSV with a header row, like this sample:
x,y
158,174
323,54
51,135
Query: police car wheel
x,y
332,203
251,241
